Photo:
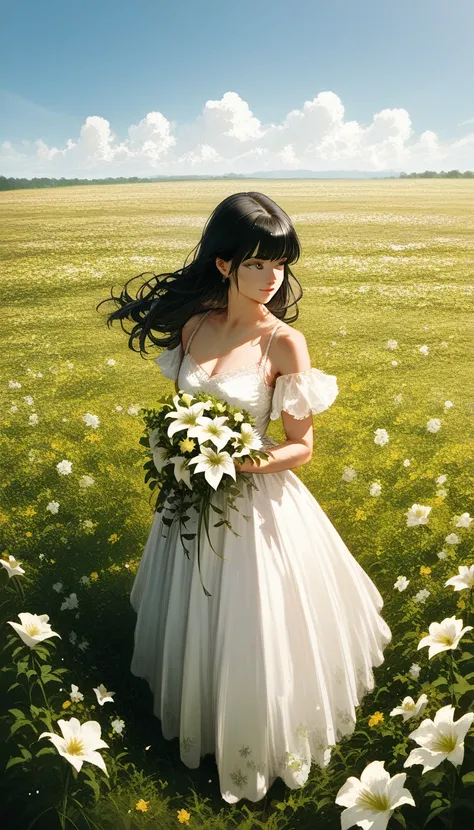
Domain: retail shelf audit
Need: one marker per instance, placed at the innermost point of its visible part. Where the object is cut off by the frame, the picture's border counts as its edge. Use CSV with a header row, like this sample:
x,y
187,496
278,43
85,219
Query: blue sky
x,y
110,88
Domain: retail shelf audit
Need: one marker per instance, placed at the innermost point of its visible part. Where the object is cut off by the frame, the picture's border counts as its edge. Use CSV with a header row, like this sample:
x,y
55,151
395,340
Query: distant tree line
x,y
27,184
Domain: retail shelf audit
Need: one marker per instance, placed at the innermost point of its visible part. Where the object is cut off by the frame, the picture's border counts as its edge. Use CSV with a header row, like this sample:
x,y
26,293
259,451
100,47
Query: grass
x,y
381,260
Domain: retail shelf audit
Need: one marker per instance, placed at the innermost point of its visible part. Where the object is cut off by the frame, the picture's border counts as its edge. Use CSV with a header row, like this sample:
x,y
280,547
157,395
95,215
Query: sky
x,y
208,87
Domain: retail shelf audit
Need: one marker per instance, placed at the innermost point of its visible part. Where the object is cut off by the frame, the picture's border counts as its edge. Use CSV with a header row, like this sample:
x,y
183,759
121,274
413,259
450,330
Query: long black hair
x,y
238,224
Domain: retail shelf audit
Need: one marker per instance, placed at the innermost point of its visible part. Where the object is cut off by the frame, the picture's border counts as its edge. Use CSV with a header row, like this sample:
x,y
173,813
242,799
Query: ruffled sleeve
x,y
169,361
303,393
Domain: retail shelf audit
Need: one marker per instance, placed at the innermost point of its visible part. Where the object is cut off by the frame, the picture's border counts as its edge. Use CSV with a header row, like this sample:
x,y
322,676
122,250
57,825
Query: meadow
x,y
386,270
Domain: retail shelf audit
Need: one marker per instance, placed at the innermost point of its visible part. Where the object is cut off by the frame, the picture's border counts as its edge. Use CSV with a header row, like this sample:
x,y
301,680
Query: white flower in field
x,y
88,524
443,636
13,384
443,344
39,374
14,408
132,410
119,408
84,644
70,365
333,343
463,579
440,739
452,539
111,361
11,566
28,400
185,416
64,467
363,288
212,429
410,709
85,580
91,420
33,419
343,332
118,725
392,344
79,742
73,637
214,464
414,671
422,595
381,437
448,404
464,520
375,489
86,481
249,438
52,506
41,556
33,628
102,695
407,462
441,492
398,398
70,603
442,554
394,362
75,694
433,425
424,350
58,587
402,583
371,800
441,479
181,470
417,514
349,474
238,416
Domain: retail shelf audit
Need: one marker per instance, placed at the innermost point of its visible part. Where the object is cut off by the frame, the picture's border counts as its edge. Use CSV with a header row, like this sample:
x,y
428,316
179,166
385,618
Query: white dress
x,y
266,673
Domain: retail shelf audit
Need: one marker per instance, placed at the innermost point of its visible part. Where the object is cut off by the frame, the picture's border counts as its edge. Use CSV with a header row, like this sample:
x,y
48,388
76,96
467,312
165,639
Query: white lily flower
x,y
79,742
250,439
181,471
464,579
440,739
417,514
159,453
185,416
371,800
212,429
443,635
214,465
75,694
410,709
102,695
33,628
464,520
11,566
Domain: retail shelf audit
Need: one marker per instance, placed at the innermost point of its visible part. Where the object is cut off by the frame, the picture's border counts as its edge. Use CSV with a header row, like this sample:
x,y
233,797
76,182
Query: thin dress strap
x,y
195,329
265,355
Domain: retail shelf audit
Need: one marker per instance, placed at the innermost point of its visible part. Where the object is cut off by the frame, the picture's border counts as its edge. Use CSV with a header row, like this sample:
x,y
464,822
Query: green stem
x,y
40,683
453,794
451,674
63,815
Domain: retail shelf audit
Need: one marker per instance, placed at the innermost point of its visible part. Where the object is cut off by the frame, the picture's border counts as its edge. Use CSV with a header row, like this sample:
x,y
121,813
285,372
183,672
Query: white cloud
x,y
228,137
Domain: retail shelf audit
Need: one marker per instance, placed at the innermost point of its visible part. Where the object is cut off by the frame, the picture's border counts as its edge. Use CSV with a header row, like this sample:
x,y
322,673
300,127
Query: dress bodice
x,y
298,393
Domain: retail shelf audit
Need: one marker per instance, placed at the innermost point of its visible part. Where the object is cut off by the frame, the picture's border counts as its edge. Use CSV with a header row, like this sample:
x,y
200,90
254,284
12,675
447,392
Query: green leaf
x,y
434,813
47,750
18,714
468,779
13,761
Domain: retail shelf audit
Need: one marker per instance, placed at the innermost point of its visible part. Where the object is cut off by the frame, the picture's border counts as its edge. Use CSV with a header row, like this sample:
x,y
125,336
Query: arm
x,y
290,355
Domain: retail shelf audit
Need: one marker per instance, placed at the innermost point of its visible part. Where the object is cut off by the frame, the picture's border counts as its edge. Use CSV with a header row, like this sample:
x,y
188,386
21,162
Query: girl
x,y
267,672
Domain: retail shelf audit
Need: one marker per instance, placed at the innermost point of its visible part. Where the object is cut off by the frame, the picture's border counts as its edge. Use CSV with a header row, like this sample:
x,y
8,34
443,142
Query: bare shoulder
x,y
189,327
290,353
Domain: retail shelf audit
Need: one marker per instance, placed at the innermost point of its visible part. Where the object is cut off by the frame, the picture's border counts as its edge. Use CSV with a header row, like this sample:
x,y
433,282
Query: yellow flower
x,y
461,603
376,718
425,570
183,816
94,576
355,387
142,805
360,515
113,538
3,518
30,511
28,533
92,437
66,704
187,445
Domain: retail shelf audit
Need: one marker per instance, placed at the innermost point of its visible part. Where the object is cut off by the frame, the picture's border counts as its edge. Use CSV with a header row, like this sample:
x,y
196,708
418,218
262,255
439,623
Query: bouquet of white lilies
x,y
186,472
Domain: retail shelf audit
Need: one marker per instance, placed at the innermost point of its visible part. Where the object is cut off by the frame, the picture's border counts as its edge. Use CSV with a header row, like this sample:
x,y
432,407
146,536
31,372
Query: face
x,y
259,279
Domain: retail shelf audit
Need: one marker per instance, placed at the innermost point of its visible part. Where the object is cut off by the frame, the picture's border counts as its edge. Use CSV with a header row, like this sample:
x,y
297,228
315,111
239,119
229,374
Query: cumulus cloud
x,y
228,137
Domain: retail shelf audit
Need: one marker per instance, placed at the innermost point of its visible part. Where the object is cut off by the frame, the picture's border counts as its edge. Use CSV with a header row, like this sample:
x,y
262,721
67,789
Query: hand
x,y
243,466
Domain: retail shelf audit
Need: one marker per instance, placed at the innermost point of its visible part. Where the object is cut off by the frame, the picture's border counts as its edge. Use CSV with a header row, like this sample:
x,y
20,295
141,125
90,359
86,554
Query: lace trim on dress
x,y
303,393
